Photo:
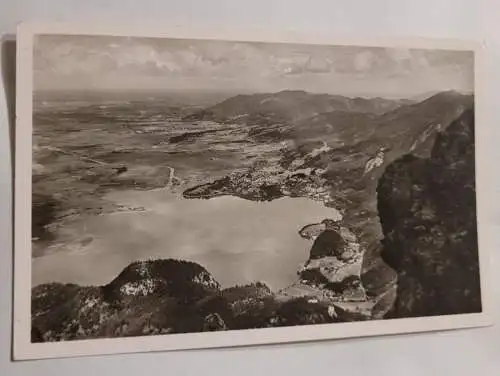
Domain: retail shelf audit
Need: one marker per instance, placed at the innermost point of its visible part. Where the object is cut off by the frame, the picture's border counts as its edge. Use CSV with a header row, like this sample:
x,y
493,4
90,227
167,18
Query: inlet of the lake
x,y
238,241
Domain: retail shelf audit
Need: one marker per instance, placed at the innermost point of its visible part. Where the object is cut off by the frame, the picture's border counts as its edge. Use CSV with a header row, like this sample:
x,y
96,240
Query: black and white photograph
x,y
216,186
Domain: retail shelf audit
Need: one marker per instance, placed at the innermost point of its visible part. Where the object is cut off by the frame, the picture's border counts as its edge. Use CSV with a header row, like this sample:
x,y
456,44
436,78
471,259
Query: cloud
x,y
142,62
364,61
399,55
302,65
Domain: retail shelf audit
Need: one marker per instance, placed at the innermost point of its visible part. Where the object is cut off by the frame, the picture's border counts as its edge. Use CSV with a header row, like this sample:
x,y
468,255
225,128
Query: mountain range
x,y
292,105
367,158
328,158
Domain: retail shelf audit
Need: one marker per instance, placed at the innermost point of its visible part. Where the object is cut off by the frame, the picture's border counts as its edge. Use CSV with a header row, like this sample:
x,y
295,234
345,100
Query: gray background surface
x,y
465,352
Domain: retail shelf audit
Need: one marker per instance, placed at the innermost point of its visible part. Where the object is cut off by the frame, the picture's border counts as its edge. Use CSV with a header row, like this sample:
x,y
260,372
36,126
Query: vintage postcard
x,y
193,189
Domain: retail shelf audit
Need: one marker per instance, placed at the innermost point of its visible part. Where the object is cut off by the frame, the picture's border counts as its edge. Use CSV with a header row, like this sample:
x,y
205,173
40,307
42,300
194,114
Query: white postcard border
x,y
23,349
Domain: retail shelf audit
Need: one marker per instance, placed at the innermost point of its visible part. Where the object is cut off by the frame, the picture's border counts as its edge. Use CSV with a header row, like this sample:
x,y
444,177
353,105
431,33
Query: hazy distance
x,y
130,63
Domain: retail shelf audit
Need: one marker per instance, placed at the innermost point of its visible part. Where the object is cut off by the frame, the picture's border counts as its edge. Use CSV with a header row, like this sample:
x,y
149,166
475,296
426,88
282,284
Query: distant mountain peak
x,y
453,93
447,95
289,91
291,106
440,93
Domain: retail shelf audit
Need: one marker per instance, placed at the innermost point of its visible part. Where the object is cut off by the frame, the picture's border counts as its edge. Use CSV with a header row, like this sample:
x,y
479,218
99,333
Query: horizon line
x,y
417,96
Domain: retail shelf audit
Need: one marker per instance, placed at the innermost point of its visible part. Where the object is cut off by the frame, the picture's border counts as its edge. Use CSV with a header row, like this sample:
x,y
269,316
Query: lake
x,y
238,241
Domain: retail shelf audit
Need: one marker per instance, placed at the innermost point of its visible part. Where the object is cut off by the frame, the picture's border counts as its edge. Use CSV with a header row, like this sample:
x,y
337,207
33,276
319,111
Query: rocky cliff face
x,y
425,203
427,211
337,158
332,274
150,297
161,297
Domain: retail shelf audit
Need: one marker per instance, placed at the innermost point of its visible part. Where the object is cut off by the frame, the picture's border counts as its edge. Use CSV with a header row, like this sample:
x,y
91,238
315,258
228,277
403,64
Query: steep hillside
x,y
345,177
336,128
290,105
399,174
162,297
149,297
428,214
409,128
338,157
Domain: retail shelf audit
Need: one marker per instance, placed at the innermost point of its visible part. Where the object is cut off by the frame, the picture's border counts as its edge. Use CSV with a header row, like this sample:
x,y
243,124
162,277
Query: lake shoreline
x,y
153,202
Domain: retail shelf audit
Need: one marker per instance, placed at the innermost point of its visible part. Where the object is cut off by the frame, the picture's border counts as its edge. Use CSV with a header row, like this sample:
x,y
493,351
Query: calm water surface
x,y
236,240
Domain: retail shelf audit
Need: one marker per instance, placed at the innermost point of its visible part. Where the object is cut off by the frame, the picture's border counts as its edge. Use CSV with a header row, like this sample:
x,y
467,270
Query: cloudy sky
x,y
98,62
